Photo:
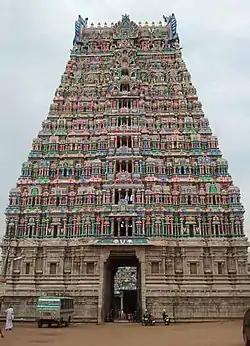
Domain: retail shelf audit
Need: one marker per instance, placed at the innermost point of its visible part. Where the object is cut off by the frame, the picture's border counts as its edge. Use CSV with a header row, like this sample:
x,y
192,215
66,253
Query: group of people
x,y
9,320
121,315
147,316
149,319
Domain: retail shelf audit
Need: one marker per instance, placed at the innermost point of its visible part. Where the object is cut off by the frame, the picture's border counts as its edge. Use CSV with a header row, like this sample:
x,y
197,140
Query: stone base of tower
x,y
190,309
200,308
193,279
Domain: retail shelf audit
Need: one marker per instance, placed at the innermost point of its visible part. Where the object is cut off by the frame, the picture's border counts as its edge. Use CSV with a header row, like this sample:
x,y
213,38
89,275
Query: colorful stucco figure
x,y
80,23
171,24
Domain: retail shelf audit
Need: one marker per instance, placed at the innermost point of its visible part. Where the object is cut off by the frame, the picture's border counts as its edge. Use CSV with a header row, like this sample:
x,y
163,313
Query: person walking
x,y
9,319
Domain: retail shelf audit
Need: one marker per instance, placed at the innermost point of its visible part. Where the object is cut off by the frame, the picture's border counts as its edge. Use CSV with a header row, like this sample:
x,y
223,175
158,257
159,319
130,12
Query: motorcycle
x,y
145,321
166,321
148,321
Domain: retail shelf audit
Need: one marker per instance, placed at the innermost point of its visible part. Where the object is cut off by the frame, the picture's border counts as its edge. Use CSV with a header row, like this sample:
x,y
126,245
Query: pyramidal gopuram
x,y
126,176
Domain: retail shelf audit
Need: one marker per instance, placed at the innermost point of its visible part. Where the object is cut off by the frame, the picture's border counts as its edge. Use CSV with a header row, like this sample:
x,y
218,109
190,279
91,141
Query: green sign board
x,y
122,241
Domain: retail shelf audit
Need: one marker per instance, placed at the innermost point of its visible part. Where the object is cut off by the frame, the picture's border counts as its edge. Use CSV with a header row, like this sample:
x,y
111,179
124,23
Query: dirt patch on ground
x,y
189,334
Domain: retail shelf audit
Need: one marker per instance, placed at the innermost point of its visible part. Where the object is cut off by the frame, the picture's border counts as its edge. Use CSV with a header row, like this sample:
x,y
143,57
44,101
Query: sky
x,y
35,42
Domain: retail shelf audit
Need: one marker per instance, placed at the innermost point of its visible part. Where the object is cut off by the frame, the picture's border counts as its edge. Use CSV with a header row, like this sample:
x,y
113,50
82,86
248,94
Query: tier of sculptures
x,y
177,225
126,149
123,30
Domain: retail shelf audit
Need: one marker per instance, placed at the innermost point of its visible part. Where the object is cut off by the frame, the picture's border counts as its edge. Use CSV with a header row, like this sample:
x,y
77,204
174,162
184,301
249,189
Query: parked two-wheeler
x,y
166,321
148,321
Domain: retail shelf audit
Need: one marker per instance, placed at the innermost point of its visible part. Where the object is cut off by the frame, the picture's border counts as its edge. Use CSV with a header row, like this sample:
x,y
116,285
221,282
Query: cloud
x,y
36,37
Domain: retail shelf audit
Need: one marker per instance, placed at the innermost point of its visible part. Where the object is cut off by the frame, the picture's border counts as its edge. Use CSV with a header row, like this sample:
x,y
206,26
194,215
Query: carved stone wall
x,y
192,279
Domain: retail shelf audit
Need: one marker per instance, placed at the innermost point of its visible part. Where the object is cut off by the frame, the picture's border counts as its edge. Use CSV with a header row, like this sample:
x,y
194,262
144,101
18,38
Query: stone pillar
x,y
133,227
232,225
185,266
209,226
153,226
221,227
199,225
126,195
37,227
133,194
140,253
102,225
121,301
143,226
65,226
112,227
214,231
181,230
103,257
74,226
171,228
46,227
119,226
143,197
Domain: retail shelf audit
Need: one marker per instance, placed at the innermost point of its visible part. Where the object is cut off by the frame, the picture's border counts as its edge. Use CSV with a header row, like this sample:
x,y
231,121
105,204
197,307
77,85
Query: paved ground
x,y
205,334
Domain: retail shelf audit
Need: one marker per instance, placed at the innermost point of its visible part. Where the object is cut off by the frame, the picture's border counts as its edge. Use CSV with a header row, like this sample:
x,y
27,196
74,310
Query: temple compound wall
x,y
194,279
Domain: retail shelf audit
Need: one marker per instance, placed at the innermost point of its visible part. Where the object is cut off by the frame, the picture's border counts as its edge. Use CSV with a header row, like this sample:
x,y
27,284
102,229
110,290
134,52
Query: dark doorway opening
x,y
122,287
123,227
130,300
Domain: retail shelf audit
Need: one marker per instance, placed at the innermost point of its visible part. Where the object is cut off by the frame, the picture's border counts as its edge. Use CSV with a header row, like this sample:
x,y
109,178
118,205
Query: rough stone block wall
x,y
199,308
24,307
86,308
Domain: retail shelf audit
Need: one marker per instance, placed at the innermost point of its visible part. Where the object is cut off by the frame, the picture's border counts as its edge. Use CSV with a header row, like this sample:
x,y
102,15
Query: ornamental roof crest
x,y
125,28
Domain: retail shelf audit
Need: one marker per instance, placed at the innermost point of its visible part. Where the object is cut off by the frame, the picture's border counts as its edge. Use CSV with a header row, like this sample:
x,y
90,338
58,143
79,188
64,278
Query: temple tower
x,y
126,172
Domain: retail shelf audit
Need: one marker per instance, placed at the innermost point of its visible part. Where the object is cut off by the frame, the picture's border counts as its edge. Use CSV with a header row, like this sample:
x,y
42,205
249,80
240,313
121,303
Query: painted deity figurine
x,y
171,23
80,23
